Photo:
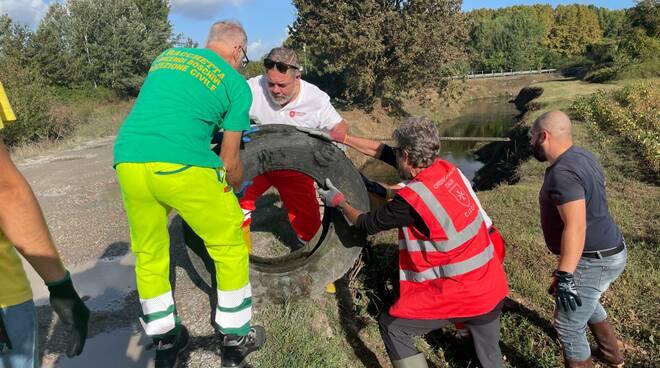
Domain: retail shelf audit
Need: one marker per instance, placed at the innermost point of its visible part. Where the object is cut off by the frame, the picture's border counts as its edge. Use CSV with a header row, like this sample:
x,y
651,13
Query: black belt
x,y
604,253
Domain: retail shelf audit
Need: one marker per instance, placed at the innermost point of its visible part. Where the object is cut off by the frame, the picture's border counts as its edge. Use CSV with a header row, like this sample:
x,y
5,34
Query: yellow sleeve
x,y
6,113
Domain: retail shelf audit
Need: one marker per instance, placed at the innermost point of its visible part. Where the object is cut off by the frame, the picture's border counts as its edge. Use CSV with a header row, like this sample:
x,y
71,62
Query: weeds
x,y
634,114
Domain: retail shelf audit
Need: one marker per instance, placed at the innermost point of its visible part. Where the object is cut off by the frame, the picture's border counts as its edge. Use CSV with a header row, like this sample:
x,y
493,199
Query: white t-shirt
x,y
311,109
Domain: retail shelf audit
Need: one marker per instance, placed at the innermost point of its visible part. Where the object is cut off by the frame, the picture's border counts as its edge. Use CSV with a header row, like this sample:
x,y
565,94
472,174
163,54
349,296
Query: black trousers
x,y
397,334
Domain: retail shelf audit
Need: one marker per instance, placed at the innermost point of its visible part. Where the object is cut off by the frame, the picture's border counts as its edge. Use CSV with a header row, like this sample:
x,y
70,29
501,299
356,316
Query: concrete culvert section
x,y
279,271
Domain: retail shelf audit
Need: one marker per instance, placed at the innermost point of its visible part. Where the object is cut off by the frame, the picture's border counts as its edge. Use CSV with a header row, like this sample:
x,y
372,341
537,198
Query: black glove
x,y
72,312
565,291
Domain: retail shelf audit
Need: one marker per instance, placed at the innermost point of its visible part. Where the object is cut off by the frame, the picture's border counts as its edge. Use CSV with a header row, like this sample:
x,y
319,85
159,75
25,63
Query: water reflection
x,y
490,117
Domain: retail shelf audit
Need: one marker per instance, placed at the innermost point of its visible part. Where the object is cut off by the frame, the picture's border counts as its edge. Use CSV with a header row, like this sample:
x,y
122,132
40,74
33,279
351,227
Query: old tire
x,y
308,271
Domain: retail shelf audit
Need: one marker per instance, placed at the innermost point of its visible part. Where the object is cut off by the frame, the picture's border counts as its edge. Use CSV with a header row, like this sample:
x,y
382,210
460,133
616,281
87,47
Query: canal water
x,y
488,117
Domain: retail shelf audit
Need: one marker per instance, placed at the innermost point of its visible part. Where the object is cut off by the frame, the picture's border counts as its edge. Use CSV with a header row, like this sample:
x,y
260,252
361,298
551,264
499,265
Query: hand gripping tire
x,y
307,271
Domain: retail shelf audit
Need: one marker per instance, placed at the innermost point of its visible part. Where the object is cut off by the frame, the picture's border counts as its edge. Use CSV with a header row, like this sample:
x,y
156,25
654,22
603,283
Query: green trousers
x,y
203,199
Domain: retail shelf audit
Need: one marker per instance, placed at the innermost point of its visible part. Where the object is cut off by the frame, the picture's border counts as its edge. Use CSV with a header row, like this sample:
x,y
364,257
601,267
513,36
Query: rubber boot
x,y
415,361
577,363
607,349
235,349
169,347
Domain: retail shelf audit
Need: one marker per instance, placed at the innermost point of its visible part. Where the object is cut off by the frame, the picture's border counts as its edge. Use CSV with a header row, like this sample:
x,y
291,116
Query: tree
x,y
103,43
611,21
575,27
372,48
126,42
645,15
511,40
158,29
14,39
50,48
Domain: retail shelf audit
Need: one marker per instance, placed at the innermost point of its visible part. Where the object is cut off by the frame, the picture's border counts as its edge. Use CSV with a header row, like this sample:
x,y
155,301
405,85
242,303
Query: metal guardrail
x,y
502,73
458,139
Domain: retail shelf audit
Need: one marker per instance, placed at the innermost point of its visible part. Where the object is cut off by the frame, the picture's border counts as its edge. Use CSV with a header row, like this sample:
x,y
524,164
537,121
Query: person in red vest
x,y
448,270
386,154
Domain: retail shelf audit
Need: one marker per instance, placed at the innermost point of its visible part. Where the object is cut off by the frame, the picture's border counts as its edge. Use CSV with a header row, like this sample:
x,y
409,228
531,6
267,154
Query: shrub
x,y
33,104
633,113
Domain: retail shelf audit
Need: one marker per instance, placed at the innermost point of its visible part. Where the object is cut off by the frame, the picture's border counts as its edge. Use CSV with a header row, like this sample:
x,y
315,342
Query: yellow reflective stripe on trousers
x,y
449,270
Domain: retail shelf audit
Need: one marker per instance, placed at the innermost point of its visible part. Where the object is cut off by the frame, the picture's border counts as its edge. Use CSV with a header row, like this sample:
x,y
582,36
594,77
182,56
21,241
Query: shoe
x,y
168,348
607,349
415,361
235,349
577,363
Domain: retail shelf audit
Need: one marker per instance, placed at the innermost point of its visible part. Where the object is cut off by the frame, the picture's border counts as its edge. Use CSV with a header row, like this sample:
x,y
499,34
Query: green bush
x,y
32,102
603,75
633,113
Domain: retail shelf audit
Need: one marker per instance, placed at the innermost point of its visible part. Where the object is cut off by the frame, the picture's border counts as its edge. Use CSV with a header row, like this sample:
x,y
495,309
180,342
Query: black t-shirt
x,y
575,175
397,213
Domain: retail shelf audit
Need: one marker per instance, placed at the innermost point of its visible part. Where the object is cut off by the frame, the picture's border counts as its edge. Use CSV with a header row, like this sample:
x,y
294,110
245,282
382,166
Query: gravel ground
x,y
80,198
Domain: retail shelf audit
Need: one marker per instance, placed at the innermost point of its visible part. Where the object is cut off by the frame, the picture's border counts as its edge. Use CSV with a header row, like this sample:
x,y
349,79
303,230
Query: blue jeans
x,y
592,276
21,324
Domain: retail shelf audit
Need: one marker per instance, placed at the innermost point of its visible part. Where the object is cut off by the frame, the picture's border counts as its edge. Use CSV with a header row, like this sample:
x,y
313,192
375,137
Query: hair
x,y
227,31
287,56
420,139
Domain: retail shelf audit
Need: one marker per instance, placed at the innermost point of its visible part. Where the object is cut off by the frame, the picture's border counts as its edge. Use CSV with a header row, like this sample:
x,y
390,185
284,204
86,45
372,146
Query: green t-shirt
x,y
188,95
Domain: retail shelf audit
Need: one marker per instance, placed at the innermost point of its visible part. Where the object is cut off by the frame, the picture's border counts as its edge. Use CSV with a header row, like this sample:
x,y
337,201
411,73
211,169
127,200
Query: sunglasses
x,y
281,67
245,61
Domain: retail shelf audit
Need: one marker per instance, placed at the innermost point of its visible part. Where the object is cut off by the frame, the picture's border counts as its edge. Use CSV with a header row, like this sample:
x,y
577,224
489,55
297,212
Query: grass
x,y
632,300
340,330
300,334
528,338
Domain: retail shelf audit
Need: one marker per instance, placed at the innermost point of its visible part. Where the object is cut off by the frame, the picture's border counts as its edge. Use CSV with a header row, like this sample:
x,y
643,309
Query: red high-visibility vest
x,y
453,272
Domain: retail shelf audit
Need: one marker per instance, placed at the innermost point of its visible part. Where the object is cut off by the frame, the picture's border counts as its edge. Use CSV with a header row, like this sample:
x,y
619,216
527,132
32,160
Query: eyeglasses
x,y
245,60
281,67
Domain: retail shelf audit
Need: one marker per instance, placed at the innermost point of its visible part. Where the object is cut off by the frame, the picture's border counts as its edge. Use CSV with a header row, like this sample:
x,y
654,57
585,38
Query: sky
x,y
265,21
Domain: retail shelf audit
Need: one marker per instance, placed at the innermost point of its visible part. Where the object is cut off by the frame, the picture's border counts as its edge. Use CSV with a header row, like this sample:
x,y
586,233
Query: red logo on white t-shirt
x,y
293,113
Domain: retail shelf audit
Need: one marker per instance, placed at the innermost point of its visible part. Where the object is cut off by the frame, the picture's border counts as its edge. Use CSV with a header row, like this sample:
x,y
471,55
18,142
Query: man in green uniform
x,y
163,162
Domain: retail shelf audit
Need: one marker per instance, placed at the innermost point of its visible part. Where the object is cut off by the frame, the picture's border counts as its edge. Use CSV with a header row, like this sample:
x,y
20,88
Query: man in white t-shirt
x,y
280,96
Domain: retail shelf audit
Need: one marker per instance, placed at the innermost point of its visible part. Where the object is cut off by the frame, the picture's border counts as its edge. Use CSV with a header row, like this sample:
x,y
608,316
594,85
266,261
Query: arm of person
x,y
574,216
366,146
395,214
23,223
340,129
236,120
230,156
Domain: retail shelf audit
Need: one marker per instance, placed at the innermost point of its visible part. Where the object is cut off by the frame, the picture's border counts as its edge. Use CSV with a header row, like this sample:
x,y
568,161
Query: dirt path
x,y
80,198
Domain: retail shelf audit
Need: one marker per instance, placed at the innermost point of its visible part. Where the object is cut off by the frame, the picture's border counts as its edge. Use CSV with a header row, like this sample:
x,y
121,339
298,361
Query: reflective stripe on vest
x,y
450,270
436,208
455,241
454,238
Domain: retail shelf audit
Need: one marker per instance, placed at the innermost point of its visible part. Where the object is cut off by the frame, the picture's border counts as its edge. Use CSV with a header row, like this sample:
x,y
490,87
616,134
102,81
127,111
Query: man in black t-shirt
x,y
578,228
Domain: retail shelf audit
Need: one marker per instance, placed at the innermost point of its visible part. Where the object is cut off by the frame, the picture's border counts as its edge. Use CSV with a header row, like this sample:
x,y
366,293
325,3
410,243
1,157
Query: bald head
x,y
557,123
